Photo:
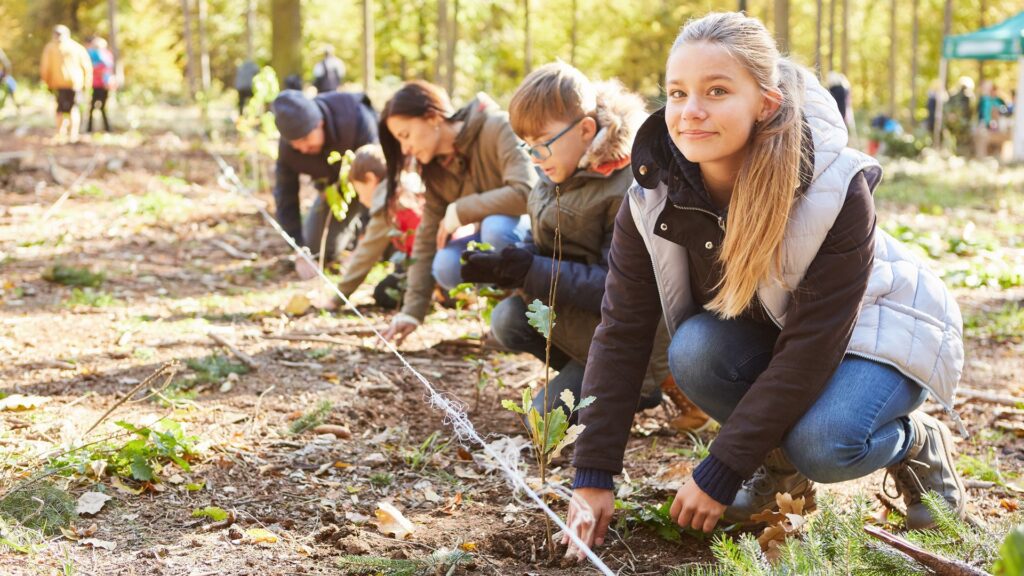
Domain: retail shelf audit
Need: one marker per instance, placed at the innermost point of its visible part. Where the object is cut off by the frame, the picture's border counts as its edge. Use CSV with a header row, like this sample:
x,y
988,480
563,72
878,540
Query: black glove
x,y
506,269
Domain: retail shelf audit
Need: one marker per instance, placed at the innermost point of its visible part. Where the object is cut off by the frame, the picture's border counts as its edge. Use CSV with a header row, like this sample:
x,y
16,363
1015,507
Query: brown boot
x,y
757,494
928,466
691,418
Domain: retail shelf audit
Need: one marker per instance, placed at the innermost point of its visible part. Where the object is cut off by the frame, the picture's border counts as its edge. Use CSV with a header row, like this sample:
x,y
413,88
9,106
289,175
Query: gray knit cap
x,y
295,115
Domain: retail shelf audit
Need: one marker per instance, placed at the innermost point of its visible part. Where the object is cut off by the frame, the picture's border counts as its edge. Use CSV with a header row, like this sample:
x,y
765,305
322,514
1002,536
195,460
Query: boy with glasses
x,y
578,134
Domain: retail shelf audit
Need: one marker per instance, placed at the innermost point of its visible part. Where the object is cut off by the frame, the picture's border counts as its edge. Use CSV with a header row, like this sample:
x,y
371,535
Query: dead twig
x,y
245,358
232,251
85,174
171,367
989,397
939,565
313,338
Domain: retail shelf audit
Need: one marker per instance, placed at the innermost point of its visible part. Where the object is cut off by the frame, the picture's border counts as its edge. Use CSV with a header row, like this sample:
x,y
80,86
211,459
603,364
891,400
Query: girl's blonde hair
x,y
767,182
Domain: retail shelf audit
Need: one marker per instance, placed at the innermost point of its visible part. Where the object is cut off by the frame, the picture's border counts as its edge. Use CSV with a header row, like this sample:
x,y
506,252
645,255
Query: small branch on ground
x,y
245,358
939,565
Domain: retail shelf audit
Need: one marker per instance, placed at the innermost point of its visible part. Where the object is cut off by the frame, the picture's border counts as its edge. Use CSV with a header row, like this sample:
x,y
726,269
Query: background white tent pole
x,y
1018,114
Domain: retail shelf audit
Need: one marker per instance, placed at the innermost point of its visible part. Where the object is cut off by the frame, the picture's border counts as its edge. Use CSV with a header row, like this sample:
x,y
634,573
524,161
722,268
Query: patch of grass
x,y
987,272
984,468
421,455
91,298
318,353
39,506
381,479
1003,325
214,368
699,451
157,203
936,184
311,419
91,190
833,543
74,276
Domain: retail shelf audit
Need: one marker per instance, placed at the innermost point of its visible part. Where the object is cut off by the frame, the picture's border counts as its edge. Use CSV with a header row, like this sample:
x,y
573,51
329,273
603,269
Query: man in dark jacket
x,y
310,131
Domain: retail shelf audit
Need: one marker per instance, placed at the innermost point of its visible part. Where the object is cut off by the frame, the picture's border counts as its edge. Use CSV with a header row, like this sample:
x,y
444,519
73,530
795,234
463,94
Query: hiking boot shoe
x,y
776,475
690,418
928,466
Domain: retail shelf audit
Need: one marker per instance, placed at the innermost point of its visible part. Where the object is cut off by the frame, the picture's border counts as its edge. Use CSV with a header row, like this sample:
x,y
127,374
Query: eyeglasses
x,y
542,151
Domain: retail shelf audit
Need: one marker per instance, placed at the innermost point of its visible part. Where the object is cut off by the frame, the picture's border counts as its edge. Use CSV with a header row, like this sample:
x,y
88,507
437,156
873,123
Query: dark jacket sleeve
x,y
579,283
630,312
819,324
286,197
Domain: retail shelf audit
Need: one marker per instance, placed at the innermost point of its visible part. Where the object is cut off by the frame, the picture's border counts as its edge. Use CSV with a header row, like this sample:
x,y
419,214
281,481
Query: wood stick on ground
x,y
171,368
990,397
245,358
939,565
232,251
313,338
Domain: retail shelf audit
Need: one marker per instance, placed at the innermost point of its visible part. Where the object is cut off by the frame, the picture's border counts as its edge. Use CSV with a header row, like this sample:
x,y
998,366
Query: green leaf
x,y
141,469
474,246
541,317
511,406
527,400
585,402
557,423
1011,554
212,512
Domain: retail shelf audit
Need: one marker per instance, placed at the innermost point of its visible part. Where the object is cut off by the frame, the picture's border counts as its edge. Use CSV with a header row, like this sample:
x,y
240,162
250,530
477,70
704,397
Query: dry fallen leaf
x,y
1009,505
260,536
97,543
391,521
673,477
782,524
298,305
116,483
91,502
20,403
74,533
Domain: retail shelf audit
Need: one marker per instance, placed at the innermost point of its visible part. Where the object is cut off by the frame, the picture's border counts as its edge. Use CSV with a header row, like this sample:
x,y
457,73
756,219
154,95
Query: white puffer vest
x,y
908,318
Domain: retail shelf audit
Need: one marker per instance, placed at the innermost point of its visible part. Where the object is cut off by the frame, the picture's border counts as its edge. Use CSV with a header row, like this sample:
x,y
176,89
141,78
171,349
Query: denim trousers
x,y
497,230
857,425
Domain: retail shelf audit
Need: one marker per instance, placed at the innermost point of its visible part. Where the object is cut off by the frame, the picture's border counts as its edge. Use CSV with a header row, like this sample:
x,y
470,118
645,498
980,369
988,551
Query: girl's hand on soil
x,y
401,326
590,512
692,508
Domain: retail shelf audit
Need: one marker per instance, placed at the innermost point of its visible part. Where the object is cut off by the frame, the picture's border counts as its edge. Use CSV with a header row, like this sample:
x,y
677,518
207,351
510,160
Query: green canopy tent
x,y
1004,41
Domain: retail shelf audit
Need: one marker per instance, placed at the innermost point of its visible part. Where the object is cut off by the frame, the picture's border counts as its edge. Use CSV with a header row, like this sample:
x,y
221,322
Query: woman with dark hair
x,y
474,172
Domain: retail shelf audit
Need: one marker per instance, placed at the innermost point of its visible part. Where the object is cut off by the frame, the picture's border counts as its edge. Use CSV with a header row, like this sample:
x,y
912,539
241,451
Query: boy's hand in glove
x,y
505,269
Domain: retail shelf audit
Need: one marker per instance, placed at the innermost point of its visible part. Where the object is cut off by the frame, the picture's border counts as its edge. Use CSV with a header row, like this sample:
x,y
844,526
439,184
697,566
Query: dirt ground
x,y
184,258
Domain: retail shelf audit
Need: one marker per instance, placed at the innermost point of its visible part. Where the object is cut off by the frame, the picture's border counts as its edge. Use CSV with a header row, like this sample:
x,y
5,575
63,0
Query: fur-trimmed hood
x,y
619,115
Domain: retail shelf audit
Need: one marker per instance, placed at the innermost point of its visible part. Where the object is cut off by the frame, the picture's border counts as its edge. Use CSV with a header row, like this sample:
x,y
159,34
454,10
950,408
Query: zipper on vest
x,y
767,311
641,222
721,221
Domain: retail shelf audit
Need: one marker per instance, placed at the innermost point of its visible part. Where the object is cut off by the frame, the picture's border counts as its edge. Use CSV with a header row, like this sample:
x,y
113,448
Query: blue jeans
x,y
510,328
857,425
497,230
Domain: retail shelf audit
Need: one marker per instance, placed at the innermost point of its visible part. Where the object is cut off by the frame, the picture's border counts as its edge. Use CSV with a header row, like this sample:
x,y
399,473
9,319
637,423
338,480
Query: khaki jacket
x,y
488,174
